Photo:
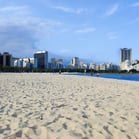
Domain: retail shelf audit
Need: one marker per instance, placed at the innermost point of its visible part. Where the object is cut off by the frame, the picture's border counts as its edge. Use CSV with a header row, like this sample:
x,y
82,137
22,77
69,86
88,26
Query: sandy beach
x,y
53,106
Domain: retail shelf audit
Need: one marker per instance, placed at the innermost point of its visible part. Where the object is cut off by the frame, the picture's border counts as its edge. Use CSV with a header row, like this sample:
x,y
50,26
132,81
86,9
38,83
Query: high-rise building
x,y
125,54
42,59
75,62
53,63
56,63
60,63
1,59
83,65
5,59
125,58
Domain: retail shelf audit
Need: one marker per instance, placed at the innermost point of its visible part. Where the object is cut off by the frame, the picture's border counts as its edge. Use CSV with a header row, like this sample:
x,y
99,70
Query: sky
x,y
88,29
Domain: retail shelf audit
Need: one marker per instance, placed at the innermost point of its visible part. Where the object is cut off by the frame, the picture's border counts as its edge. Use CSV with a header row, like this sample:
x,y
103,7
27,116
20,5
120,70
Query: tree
x,y
132,71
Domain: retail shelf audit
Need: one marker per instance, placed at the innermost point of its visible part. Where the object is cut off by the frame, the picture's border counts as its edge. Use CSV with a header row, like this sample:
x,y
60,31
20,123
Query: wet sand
x,y
53,106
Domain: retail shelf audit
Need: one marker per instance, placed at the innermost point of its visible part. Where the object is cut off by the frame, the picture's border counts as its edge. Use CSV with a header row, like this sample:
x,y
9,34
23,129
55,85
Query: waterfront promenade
x,y
53,106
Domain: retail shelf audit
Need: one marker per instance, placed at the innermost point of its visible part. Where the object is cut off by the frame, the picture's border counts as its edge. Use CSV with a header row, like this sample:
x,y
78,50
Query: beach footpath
x,y
56,106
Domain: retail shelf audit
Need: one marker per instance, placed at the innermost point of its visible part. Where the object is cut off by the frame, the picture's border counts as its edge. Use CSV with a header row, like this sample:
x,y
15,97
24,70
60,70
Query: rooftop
x,y
39,52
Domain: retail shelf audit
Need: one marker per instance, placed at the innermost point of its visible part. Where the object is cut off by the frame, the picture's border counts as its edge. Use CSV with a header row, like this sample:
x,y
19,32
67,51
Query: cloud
x,y
112,35
20,34
112,10
11,8
14,10
135,4
86,30
70,10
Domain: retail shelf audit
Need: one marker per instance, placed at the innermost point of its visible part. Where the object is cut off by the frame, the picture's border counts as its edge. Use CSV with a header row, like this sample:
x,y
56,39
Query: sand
x,y
53,106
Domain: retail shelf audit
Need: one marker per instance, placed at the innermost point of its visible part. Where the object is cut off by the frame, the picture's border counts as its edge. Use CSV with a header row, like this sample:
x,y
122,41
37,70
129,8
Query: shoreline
x,y
46,105
101,75
114,76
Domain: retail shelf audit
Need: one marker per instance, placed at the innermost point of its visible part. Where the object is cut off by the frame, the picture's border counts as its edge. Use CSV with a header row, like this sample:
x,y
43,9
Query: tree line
x,y
91,71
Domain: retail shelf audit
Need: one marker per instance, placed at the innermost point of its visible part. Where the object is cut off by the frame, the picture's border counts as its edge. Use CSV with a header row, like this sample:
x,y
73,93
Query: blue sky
x,y
89,29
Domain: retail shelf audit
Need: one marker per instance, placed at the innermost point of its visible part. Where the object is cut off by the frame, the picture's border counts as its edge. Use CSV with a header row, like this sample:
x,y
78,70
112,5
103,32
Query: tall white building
x,y
24,62
102,66
74,63
42,59
83,65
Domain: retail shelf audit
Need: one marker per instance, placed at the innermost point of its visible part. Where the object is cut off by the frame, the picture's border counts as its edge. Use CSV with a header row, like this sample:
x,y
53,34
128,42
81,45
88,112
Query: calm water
x,y
131,77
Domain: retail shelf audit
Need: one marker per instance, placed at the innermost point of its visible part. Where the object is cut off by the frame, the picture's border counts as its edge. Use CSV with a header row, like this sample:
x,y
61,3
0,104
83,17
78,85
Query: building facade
x,y
60,63
83,65
41,58
74,63
5,59
125,54
125,58
56,63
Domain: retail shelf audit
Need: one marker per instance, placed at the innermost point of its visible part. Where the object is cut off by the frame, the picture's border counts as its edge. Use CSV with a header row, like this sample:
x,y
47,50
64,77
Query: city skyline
x,y
87,29
40,60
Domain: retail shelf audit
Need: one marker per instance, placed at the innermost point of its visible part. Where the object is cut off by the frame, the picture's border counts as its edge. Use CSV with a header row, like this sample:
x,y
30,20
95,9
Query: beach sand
x,y
53,106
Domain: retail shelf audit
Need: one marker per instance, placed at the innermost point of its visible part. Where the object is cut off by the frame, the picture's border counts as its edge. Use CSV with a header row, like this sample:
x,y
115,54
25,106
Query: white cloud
x,y
112,35
70,10
135,4
112,10
12,8
20,34
86,30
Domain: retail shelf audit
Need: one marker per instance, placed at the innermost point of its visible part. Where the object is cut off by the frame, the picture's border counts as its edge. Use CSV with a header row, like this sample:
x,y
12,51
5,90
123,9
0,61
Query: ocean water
x,y
131,77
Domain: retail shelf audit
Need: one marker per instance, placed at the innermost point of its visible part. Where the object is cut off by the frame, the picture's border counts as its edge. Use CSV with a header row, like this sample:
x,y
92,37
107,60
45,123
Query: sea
x,y
130,77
